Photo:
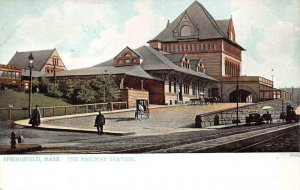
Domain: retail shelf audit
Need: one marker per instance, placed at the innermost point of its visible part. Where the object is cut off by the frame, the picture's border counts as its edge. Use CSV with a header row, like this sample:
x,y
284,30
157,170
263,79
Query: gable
x,y
185,27
127,57
40,58
54,58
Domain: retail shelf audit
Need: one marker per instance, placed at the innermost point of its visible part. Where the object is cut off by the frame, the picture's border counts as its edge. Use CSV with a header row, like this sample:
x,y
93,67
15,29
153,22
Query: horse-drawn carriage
x,y
257,119
290,115
142,108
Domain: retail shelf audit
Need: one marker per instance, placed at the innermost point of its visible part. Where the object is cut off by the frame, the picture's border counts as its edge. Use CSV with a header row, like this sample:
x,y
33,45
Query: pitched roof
x,y
223,25
134,70
154,60
40,58
208,27
175,58
202,19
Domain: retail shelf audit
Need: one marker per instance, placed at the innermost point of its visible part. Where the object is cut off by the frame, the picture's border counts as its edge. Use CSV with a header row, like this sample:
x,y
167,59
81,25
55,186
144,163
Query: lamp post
x,y
30,58
55,63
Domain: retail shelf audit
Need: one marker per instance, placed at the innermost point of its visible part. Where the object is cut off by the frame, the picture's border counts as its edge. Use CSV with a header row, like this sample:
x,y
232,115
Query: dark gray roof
x,y
223,25
208,27
134,70
35,74
202,19
175,58
40,58
154,60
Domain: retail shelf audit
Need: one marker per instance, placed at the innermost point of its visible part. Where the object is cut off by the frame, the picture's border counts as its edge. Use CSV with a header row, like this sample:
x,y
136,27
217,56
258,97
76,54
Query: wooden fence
x,y
22,113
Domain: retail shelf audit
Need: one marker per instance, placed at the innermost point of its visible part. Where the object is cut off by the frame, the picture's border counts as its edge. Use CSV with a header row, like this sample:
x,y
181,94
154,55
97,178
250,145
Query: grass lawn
x,y
20,99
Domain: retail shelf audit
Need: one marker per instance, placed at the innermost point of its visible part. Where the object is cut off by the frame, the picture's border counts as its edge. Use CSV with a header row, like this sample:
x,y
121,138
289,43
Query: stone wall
x,y
226,116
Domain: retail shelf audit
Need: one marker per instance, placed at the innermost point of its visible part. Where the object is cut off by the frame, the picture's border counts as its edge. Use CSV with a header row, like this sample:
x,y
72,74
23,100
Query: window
x,y
176,48
184,47
193,47
1,73
180,48
197,47
201,47
168,48
127,61
4,74
134,60
215,46
189,47
185,31
120,61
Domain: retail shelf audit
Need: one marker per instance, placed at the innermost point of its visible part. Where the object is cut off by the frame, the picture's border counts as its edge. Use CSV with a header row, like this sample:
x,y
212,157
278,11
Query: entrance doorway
x,y
244,96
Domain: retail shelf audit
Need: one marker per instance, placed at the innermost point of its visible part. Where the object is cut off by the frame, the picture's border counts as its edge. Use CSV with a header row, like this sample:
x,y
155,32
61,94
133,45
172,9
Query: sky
x,y
88,32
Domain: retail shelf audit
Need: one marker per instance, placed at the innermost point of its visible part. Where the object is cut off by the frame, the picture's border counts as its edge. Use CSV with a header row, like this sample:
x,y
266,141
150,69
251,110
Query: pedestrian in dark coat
x,y
99,122
198,121
35,119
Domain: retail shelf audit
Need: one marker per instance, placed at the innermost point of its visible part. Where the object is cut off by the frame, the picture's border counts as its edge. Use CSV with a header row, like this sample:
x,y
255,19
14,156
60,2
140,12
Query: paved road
x,y
161,121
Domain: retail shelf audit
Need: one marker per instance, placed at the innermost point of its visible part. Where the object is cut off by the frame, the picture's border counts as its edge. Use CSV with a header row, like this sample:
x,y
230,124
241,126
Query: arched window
x,y
186,31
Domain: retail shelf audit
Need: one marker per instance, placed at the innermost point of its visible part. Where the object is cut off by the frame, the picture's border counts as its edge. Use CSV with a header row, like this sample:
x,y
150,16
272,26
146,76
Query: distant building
x,y
295,93
44,61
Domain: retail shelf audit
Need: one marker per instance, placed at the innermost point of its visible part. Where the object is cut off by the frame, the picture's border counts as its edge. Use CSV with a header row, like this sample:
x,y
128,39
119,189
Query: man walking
x,y
99,122
35,119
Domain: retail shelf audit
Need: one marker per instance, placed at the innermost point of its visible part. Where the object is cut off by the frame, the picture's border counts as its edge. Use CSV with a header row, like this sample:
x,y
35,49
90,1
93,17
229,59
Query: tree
x,y
83,94
53,90
105,88
67,88
43,85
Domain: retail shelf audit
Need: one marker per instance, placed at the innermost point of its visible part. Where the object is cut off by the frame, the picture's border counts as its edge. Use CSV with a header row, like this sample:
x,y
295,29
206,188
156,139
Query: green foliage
x,y
53,91
67,88
83,94
100,89
43,85
105,88
35,85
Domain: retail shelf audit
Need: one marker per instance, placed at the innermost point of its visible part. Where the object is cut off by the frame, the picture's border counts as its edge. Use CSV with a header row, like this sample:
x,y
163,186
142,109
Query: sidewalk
x,y
163,120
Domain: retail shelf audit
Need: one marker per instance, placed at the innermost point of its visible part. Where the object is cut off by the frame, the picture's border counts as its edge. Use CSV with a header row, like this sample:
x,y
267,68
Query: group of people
x,y
35,119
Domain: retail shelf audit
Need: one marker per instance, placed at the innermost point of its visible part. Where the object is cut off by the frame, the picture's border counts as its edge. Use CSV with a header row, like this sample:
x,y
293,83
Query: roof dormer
x,y
200,66
185,62
185,27
127,57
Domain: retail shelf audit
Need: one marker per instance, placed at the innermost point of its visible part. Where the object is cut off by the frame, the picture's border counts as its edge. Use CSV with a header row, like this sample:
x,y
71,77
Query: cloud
x,y
137,31
62,24
271,40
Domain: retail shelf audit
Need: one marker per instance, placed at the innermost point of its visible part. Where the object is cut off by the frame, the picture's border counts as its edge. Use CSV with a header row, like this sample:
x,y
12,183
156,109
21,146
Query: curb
x,y
65,129
20,148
